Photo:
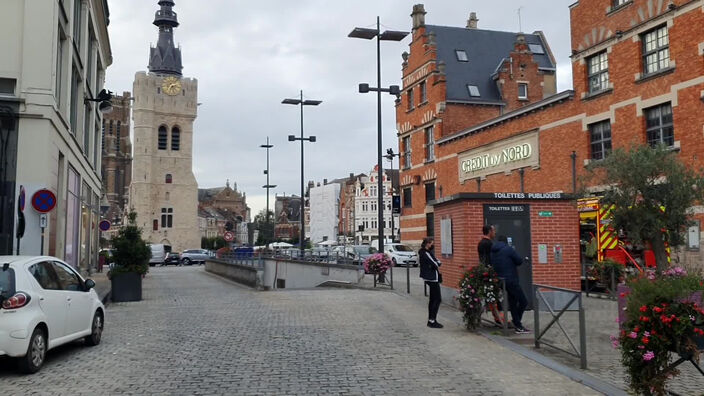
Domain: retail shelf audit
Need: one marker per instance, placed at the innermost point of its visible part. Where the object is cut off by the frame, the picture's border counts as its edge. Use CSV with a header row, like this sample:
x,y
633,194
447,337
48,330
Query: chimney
x,y
325,182
472,21
418,16
351,175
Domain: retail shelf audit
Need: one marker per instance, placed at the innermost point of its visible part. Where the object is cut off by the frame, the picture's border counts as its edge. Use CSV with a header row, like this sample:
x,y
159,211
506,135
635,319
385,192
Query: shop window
x,y
600,136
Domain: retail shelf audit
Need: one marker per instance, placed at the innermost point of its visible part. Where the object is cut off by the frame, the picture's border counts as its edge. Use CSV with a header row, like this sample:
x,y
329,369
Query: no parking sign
x,y
44,201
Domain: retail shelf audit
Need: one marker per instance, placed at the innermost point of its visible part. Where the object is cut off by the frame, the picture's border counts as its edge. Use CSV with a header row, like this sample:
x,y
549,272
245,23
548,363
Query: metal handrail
x,y
580,353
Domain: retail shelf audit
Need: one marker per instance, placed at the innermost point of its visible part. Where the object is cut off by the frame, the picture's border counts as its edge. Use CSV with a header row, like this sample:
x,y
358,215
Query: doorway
x,y
513,221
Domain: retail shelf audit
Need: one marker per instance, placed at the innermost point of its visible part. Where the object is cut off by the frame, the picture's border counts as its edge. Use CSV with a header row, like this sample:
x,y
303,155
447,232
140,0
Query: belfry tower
x,y
164,192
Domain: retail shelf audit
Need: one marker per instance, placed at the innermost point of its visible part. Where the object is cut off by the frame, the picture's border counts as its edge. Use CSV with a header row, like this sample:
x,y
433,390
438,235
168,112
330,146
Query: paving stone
x,y
197,334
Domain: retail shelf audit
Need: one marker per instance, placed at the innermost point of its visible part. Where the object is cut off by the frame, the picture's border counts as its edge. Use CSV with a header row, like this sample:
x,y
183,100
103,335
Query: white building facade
x,y
54,57
324,212
366,210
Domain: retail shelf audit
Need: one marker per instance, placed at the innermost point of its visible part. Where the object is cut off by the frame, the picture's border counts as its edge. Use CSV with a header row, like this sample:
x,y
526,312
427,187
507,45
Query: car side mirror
x,y
89,284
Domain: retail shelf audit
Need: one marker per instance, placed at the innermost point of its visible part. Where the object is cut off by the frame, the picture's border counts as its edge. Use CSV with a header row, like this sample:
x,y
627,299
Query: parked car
x,y
191,256
45,303
401,254
159,252
172,259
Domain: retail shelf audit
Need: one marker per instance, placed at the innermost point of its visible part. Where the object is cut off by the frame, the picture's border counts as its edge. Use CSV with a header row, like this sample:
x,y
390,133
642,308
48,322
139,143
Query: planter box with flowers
x,y
659,315
479,289
378,264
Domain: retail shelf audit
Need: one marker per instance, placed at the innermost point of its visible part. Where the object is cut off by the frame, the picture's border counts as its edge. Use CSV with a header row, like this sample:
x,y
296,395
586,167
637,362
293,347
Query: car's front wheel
x,y
186,261
96,333
36,353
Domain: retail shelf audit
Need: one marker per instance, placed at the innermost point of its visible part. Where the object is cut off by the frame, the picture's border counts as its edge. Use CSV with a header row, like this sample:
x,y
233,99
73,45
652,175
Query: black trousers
x,y
434,301
517,302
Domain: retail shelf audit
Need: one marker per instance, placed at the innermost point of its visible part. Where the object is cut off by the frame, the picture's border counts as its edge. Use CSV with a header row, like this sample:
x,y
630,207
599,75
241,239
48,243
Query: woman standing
x,y
429,266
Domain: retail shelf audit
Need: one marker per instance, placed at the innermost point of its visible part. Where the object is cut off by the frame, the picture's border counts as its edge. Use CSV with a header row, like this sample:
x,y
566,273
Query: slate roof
x,y
485,50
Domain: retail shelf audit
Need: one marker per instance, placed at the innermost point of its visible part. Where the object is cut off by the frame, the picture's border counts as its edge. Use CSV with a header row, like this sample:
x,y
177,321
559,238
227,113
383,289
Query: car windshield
x,y
402,248
7,283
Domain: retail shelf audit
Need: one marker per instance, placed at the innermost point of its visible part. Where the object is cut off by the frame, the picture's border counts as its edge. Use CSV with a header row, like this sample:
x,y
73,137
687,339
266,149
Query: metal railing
x,y
538,292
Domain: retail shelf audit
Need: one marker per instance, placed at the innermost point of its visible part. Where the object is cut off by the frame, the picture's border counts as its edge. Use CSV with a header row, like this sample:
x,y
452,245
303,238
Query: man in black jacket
x,y
484,247
429,266
505,261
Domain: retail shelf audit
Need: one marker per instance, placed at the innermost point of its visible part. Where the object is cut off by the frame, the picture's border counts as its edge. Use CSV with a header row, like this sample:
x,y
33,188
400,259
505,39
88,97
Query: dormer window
x,y
536,49
461,55
473,90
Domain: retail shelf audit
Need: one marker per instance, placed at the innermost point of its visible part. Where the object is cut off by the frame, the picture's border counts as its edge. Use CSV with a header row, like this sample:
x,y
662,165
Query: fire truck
x,y
600,241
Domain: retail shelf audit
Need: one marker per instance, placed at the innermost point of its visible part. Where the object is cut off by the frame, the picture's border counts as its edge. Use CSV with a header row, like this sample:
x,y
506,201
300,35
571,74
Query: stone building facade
x,y
638,78
116,157
366,213
164,192
54,57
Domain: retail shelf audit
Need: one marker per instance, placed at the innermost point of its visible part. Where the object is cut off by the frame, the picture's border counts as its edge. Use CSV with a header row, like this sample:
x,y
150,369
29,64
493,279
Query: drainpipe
x,y
522,173
574,171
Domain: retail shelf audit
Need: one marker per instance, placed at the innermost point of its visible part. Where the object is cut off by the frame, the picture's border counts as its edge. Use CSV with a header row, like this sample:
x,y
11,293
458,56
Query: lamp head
x,y
363,88
395,90
105,107
312,139
291,138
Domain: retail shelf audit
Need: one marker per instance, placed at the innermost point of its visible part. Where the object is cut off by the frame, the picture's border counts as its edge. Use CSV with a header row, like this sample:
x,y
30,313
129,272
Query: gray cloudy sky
x,y
249,55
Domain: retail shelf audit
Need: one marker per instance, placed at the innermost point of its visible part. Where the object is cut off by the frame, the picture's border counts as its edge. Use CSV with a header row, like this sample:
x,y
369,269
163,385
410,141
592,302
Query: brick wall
x,y
467,221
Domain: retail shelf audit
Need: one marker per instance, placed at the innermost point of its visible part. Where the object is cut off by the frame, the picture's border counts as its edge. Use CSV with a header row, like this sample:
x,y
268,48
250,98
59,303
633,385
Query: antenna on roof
x,y
520,27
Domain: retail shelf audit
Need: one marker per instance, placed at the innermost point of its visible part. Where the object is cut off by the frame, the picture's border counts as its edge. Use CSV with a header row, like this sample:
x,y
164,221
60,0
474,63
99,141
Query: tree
x,y
652,192
131,252
266,230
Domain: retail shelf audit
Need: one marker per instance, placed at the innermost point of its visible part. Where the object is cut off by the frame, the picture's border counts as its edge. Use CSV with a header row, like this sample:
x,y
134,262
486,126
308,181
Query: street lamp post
x,y
268,186
293,138
387,35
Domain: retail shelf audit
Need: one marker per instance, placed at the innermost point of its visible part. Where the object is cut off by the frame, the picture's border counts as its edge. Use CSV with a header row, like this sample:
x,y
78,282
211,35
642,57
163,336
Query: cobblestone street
x,y
197,334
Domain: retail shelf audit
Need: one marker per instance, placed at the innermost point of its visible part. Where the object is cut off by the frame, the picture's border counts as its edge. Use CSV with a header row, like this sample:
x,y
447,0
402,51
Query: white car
x,y
44,303
401,254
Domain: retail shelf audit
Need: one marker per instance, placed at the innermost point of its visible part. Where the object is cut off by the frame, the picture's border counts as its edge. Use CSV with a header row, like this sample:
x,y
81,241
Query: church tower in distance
x,y
163,191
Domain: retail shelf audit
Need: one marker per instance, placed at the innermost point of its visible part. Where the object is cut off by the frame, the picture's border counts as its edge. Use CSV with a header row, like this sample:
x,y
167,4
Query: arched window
x,y
168,178
163,137
175,139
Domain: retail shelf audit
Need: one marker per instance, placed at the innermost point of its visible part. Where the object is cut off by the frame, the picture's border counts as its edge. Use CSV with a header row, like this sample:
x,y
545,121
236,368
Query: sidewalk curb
x,y
575,375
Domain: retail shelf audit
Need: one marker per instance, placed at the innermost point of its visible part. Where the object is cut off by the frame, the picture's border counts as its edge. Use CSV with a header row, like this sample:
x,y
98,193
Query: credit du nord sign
x,y
502,156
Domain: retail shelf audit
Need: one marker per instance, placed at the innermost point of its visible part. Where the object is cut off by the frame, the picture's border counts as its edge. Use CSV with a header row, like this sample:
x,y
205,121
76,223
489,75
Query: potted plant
x,y
663,315
479,287
131,262
378,264
607,273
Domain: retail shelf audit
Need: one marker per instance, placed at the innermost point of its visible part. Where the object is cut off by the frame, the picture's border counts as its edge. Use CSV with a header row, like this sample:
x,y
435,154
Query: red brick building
x,y
638,78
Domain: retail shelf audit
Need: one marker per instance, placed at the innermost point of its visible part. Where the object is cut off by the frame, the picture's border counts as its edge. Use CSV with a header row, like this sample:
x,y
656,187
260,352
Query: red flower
x,y
699,331
644,309
636,329
653,332
486,274
644,319
645,340
657,309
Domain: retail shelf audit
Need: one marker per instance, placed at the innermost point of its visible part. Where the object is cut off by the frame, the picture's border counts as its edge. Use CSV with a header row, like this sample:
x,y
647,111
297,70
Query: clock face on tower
x,y
171,86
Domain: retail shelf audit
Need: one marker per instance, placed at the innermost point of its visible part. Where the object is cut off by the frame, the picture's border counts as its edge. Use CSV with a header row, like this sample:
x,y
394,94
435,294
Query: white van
x,y
158,254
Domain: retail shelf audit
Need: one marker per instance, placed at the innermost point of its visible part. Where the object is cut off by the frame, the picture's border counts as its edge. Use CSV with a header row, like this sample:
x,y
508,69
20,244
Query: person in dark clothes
x,y
484,247
429,271
505,261
484,251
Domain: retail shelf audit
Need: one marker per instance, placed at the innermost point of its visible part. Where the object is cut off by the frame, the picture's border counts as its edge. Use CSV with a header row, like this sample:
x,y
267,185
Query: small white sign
x,y
42,220
446,236
693,237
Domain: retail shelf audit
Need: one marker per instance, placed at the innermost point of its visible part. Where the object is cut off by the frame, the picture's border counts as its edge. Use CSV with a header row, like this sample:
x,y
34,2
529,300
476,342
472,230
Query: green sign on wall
x,y
545,214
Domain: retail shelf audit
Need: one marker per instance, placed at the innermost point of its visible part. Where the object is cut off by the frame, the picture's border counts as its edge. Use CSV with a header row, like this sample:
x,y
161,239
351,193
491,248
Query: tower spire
x,y
165,58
